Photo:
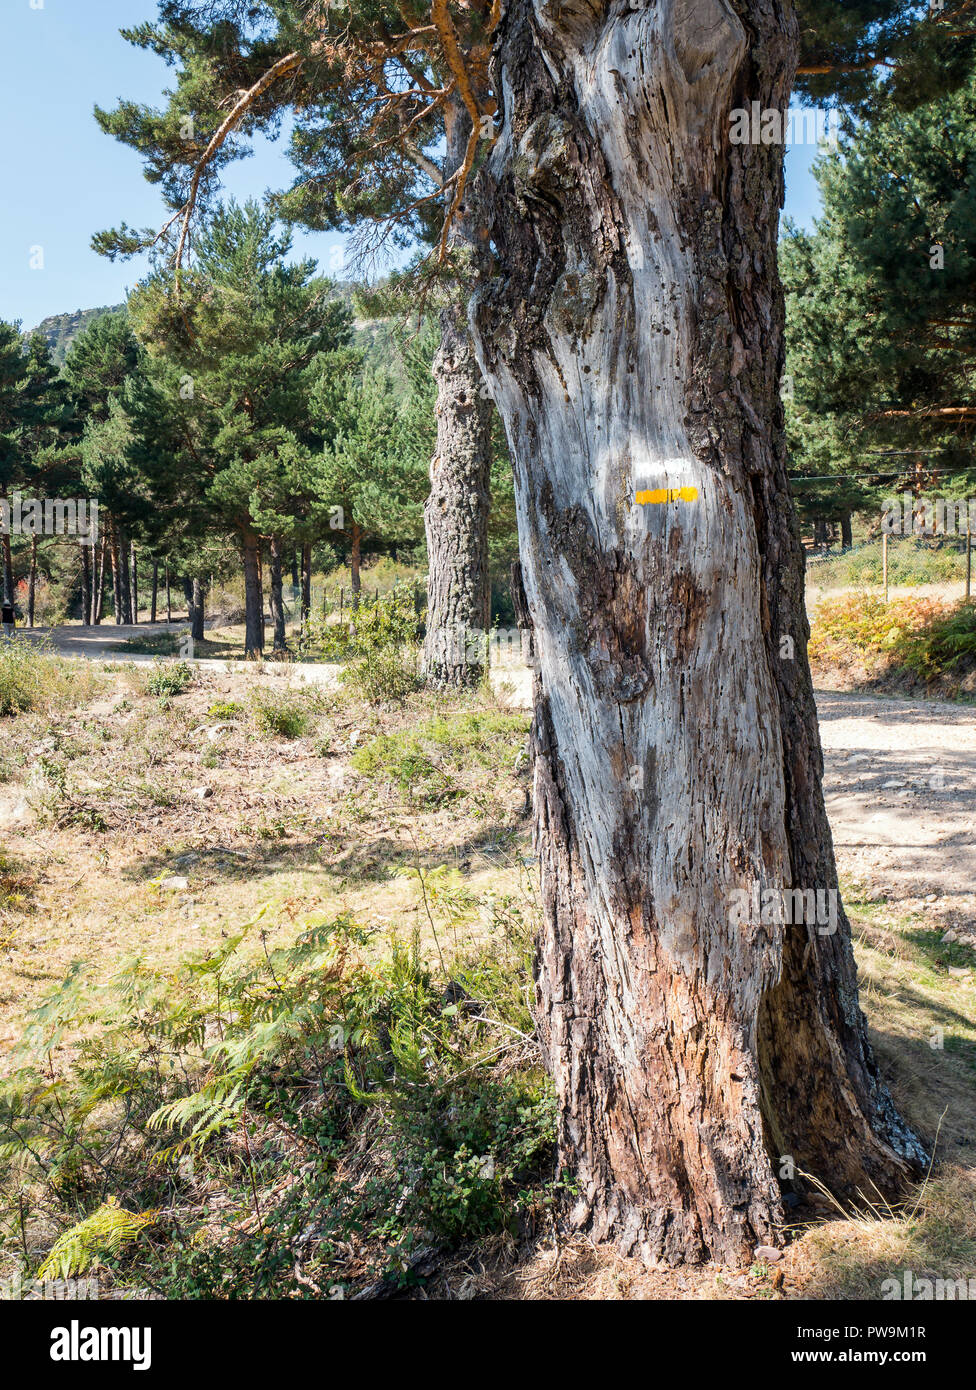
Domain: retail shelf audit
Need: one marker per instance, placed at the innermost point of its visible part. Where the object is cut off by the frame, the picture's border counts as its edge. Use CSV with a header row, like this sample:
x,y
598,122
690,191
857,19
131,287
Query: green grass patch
x,y
910,561
286,713
226,709
425,762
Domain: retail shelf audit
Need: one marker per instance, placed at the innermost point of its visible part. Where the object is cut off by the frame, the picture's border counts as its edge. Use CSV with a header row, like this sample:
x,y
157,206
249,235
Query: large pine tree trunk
x,y
134,583
633,340
253,594
456,512
8,570
98,597
125,578
87,555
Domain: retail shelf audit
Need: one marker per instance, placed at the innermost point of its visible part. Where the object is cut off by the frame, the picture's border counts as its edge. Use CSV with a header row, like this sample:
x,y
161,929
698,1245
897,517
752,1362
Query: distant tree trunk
x,y
701,1051
32,580
169,603
125,577
194,591
155,591
295,579
98,597
117,600
846,532
134,586
253,595
87,556
355,560
277,602
456,512
306,587
8,571
90,567
197,611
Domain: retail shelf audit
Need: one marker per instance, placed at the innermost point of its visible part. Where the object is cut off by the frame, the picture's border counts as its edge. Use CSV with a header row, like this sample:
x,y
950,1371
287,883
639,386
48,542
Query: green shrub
x,y
226,709
946,644
424,761
383,647
166,681
287,713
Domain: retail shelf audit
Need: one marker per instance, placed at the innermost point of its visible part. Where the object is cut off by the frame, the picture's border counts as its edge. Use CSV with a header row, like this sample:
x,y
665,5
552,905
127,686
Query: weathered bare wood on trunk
x,y
632,336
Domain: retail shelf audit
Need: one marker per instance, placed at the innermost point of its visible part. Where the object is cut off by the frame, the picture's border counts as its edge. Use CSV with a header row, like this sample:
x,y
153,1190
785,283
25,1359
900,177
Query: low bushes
x,y
915,640
277,1122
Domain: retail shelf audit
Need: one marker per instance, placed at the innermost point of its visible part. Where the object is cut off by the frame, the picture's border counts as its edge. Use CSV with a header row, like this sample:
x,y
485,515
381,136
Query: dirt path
x,y
97,643
900,782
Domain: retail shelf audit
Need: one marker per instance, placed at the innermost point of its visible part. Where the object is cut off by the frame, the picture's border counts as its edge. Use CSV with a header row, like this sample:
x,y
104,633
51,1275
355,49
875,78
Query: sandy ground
x,y
900,781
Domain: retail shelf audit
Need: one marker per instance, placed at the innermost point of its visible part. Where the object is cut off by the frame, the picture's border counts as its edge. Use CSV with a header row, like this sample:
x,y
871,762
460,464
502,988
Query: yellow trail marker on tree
x,y
667,494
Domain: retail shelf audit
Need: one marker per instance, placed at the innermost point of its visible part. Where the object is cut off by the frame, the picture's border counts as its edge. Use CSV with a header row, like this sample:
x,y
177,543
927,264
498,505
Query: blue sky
x,y
64,180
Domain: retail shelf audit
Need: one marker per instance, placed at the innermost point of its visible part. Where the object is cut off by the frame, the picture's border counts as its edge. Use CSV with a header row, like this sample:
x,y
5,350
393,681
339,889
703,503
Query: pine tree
x,y
231,370
881,302
392,113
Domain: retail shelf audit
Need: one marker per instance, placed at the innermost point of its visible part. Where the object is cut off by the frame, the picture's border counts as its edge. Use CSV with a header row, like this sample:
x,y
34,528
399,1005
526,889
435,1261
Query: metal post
x,y
884,563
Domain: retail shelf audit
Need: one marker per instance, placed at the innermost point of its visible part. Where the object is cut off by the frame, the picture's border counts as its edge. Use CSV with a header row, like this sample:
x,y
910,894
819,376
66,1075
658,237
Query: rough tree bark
x,y
277,601
253,593
632,335
456,512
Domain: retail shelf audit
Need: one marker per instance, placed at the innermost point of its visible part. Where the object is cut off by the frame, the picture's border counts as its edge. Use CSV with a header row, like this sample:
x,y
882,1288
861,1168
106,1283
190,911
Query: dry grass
x,y
109,801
